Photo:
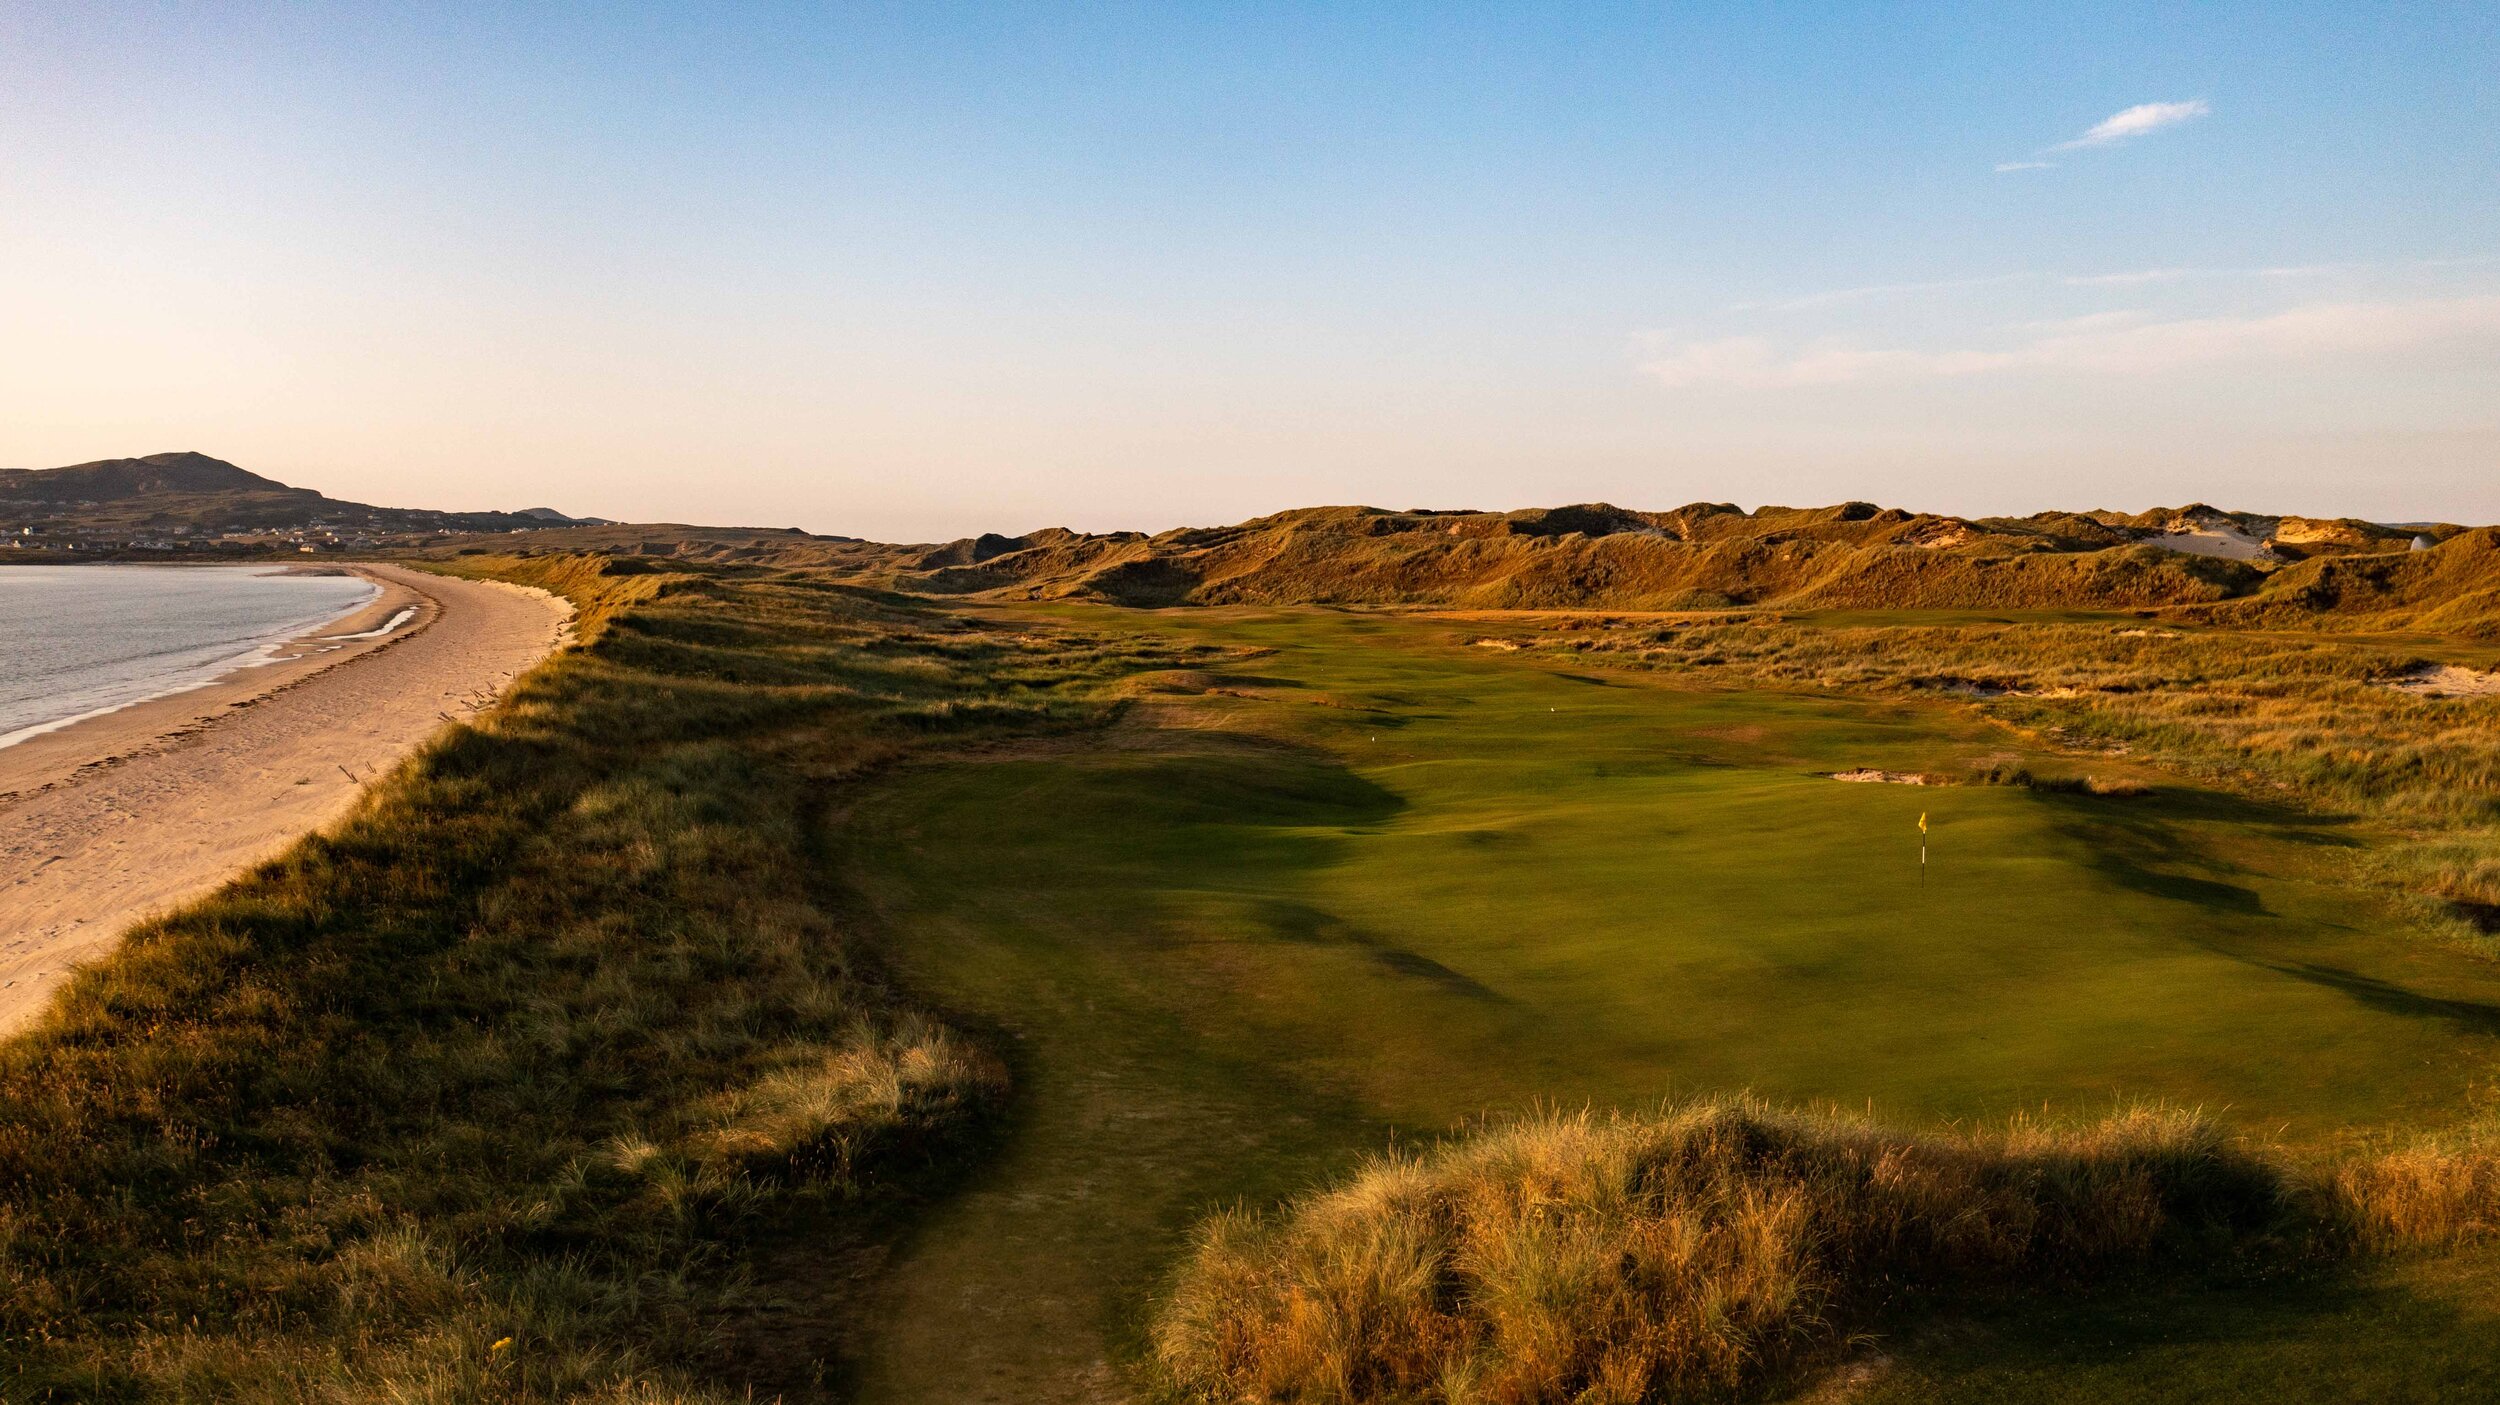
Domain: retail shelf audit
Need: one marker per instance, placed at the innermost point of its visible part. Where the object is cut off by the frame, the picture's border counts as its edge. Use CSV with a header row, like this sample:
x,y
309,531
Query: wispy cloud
x,y
2134,277
2122,278
2095,346
2142,119
1836,296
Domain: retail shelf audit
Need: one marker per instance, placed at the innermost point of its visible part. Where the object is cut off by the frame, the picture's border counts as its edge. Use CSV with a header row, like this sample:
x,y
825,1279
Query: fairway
x,y
1371,880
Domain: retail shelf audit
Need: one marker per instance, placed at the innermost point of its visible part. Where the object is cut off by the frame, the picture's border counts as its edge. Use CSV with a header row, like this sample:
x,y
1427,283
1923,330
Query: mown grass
x,y
2298,716
1375,882
476,1095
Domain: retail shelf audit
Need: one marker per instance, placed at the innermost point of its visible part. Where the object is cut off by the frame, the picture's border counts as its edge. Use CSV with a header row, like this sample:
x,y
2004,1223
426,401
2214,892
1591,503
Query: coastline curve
x,y
118,816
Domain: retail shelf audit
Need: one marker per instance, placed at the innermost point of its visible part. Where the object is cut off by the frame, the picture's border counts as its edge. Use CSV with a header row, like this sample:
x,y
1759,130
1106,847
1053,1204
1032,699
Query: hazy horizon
x,y
912,274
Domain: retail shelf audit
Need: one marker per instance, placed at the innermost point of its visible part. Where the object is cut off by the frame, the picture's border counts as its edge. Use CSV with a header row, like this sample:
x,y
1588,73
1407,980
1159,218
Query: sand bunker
x,y
1874,777
2446,680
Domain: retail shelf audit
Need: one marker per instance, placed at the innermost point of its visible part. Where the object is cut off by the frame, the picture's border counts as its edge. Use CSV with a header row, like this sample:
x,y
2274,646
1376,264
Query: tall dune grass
x,y
1619,1259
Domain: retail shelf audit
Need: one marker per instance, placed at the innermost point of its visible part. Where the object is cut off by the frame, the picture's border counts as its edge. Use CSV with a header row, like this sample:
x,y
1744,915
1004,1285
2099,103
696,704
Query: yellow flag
x,y
1922,821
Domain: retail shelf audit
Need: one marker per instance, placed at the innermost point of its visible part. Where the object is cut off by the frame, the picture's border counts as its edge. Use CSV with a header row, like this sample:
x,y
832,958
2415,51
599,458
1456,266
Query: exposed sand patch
x,y
124,815
1869,776
2447,680
2229,543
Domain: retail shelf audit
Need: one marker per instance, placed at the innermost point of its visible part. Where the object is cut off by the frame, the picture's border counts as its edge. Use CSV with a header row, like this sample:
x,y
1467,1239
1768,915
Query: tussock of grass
x,y
476,1095
2025,778
1621,1259
2432,1194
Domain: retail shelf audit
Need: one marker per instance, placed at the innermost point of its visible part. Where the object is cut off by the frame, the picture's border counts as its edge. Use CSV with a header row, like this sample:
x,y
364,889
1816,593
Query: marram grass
x,y
1696,1253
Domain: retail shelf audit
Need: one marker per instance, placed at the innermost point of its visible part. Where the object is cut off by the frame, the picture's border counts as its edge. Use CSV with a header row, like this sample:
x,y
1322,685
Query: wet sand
x,y
114,818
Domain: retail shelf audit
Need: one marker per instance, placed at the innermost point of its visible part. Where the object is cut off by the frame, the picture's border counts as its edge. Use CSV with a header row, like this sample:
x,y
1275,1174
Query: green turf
x,y
2403,1333
1378,881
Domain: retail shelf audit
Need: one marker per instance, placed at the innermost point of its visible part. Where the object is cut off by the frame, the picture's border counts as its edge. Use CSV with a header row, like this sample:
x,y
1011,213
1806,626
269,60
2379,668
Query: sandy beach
x,y
123,815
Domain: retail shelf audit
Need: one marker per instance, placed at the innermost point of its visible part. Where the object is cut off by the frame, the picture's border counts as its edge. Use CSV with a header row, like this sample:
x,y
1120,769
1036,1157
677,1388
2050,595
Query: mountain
x,y
112,480
189,495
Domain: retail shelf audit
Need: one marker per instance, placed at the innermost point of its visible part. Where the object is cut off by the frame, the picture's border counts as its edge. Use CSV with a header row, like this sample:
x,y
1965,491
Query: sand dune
x,y
108,821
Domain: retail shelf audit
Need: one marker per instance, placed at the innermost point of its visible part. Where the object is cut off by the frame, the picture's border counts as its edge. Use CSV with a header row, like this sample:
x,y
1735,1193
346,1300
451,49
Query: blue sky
x,y
916,271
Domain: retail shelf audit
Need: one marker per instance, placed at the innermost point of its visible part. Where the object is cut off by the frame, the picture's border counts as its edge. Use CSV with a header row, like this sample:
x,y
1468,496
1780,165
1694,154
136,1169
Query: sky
x,y
911,272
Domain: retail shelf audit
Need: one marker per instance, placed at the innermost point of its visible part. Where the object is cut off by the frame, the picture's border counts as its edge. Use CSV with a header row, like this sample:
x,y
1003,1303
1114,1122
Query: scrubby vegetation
x,y
1700,1252
1617,1260
475,1096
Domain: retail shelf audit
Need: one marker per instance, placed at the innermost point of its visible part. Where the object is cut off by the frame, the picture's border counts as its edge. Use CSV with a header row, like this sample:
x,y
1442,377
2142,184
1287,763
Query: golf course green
x,y
1371,879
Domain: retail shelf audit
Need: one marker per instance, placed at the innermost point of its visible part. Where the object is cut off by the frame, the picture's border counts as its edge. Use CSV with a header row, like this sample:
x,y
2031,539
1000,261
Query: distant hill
x,y
112,480
1853,556
187,493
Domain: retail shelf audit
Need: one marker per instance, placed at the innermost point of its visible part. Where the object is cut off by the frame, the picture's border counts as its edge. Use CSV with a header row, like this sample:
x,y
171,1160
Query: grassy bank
x,y
476,1095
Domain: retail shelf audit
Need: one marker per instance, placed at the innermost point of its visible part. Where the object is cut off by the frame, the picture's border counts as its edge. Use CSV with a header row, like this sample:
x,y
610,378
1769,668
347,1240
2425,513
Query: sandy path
x,y
128,814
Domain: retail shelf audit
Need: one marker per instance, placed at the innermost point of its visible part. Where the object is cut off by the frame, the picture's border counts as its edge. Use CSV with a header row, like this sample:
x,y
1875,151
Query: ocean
x,y
78,641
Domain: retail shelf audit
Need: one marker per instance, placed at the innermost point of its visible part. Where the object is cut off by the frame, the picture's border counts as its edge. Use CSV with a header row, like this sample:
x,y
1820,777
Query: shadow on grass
x,y
2124,848
2139,852
2140,844
2381,1333
2281,821
2472,1016
1302,923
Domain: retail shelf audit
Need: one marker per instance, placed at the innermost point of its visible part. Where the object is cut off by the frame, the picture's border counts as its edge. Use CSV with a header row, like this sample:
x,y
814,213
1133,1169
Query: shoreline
x,y
119,816
48,753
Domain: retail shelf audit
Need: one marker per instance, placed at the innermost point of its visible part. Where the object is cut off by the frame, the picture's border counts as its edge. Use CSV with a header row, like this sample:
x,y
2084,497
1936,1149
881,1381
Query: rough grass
x,y
1704,1251
2301,717
1592,556
475,1096
1619,1259
2435,1193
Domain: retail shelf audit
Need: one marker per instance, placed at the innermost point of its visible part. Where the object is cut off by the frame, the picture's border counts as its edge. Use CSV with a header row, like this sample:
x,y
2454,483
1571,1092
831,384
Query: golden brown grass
x,y
1624,1259
477,1095
1592,556
2431,1194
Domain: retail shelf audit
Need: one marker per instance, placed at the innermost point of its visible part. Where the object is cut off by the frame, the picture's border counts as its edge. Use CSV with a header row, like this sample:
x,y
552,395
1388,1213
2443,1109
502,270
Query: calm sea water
x,y
80,640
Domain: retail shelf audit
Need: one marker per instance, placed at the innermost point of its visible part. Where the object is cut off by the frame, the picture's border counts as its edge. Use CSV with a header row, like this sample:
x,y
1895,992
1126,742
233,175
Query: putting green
x,y
1379,881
